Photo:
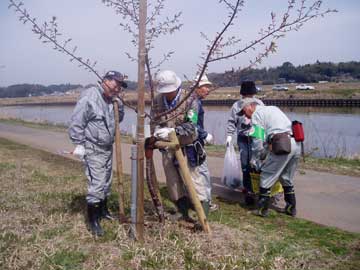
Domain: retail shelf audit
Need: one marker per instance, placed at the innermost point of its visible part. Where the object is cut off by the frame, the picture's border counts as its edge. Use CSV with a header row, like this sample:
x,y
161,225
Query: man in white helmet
x,y
182,122
92,130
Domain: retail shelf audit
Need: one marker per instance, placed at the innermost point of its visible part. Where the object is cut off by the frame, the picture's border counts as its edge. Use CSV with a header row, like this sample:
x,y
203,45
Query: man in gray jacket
x,y
275,152
92,130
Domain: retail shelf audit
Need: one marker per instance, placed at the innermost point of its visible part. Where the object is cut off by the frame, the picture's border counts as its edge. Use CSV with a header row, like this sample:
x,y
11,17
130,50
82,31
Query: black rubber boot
x,y
105,213
290,199
206,206
190,205
93,211
182,205
264,202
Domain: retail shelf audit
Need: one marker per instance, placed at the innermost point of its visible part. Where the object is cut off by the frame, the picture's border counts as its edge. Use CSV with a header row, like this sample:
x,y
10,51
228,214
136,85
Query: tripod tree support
x,y
185,173
119,168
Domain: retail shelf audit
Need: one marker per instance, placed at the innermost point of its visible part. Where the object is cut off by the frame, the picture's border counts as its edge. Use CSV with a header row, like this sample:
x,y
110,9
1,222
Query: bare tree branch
x,y
304,15
211,50
129,10
217,46
49,33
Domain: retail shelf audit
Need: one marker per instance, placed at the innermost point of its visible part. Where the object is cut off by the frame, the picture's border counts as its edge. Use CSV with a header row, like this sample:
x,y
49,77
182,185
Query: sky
x,y
95,30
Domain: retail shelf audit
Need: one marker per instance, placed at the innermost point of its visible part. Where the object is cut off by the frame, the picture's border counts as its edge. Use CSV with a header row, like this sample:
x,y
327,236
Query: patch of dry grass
x,y
42,204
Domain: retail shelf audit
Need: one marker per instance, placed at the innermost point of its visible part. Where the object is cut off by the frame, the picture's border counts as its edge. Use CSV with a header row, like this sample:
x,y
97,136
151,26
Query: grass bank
x,y
48,126
343,166
42,204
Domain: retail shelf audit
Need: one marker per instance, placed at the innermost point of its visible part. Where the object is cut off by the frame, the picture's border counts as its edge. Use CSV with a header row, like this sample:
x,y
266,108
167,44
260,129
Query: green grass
x,y
64,259
4,166
42,198
344,166
50,126
41,125
342,93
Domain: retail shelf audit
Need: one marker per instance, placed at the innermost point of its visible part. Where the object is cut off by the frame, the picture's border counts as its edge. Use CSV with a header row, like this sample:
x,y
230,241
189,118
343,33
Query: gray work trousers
x,y
280,167
200,176
205,175
98,169
174,182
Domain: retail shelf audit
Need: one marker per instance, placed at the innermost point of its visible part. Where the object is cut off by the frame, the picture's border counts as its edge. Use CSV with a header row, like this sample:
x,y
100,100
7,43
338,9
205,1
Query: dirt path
x,y
324,198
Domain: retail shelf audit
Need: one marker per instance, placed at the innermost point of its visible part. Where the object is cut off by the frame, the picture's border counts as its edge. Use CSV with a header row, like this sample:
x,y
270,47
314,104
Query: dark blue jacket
x,y
200,122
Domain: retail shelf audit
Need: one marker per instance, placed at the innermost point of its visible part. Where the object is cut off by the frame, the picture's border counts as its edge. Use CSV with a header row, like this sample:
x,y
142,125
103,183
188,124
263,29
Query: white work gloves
x,y
228,140
79,151
163,133
209,139
116,98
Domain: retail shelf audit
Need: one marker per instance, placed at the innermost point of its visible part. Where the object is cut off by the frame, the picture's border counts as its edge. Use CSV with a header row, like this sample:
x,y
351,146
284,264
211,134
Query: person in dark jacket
x,y
241,125
201,92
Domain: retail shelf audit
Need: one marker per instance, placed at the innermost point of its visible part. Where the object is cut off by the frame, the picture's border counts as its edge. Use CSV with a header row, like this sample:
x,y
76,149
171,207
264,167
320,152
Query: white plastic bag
x,y
232,174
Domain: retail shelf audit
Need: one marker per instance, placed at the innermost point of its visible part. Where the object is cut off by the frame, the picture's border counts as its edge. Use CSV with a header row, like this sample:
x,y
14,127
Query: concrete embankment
x,y
286,102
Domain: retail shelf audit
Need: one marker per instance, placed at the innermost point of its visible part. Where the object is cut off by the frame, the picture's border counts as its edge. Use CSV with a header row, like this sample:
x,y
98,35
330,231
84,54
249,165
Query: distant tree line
x,y
25,90
287,72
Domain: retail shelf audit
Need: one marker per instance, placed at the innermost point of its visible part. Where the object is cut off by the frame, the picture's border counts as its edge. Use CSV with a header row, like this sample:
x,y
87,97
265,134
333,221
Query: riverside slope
x,y
324,198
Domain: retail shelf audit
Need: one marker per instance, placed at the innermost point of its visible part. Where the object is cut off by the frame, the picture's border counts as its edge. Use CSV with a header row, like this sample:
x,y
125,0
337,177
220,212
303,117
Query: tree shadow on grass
x,y
77,204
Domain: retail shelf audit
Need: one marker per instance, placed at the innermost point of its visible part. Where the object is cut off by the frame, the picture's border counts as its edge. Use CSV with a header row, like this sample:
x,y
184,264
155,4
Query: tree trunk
x,y
140,138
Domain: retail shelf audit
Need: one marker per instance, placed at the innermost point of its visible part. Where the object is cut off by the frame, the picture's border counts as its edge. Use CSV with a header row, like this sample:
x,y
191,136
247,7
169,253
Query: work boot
x,y
248,197
206,206
93,210
263,203
289,196
249,200
105,213
213,207
190,205
182,205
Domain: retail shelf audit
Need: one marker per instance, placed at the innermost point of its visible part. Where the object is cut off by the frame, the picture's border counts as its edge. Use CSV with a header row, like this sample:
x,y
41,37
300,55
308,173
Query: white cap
x,y
167,81
204,80
244,102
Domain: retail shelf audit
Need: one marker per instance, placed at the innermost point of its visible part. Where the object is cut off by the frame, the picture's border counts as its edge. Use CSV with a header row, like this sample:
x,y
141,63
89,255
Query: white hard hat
x,y
204,80
167,81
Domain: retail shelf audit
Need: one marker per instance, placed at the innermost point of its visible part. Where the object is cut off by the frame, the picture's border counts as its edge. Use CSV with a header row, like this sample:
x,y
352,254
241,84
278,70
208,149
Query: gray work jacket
x,y
93,119
272,121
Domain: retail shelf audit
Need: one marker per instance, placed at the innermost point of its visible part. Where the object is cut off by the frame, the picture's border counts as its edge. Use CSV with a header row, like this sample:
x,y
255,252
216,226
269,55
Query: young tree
x,y
141,21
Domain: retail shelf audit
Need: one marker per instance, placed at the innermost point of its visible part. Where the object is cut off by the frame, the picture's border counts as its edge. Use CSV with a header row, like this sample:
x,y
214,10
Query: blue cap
x,y
117,76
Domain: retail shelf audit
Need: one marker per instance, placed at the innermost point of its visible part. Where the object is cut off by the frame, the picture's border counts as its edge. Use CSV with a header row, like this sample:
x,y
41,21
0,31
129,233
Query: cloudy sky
x,y
95,29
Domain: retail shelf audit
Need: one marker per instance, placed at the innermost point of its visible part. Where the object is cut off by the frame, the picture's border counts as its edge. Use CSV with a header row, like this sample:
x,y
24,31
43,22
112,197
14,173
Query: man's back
x,y
272,119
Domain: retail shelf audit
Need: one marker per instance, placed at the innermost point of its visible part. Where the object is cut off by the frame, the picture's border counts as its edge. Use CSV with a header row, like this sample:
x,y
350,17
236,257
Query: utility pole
x,y
140,138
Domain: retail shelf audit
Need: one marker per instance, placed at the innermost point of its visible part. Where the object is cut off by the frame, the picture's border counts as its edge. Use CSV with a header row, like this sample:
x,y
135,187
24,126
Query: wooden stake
x,y
184,169
119,168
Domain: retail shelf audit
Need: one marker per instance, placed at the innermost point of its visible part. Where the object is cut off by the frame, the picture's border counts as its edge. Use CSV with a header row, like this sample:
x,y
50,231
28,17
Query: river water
x,y
329,132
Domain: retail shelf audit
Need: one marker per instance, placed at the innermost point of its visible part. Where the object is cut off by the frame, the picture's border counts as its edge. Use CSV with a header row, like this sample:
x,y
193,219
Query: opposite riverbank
x,y
348,93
